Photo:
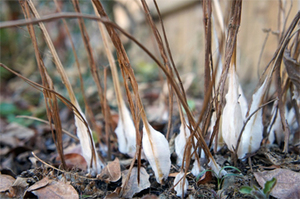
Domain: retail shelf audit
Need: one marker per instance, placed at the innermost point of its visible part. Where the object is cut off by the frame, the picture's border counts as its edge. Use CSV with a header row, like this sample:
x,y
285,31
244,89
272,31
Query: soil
x,y
18,162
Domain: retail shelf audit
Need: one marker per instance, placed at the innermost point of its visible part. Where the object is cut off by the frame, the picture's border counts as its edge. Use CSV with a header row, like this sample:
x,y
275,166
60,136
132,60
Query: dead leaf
x,y
40,184
47,188
287,185
6,182
132,187
18,187
150,196
74,160
112,172
112,195
207,177
292,68
15,132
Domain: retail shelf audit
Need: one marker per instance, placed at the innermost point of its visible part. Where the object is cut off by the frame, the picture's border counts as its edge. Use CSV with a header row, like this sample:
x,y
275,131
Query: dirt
x,y
19,163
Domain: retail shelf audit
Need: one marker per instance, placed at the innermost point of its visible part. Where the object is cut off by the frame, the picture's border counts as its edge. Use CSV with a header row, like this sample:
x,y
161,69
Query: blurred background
x,y
183,21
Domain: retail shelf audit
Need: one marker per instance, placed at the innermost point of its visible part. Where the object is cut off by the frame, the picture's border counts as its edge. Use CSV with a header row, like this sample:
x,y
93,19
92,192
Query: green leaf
x,y
202,173
246,190
7,109
269,185
191,104
229,167
94,135
21,121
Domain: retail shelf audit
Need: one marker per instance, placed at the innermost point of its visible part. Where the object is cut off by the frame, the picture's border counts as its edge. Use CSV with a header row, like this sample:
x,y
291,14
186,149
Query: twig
x,y
46,122
62,171
47,18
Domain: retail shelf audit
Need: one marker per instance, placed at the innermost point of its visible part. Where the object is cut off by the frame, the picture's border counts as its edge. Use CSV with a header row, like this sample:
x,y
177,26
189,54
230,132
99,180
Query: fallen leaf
x,y
207,177
112,172
112,195
74,160
18,187
287,185
6,182
150,196
40,184
133,187
15,132
47,188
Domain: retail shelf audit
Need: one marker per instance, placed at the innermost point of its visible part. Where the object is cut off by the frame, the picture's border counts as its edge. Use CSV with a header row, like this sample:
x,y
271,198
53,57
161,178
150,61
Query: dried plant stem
x,y
167,63
49,90
96,77
115,76
47,122
65,80
126,67
88,108
208,56
46,18
126,72
277,58
235,16
111,25
50,99
262,50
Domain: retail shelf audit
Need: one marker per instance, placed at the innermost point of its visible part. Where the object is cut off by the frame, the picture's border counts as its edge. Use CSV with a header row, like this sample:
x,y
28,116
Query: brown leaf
x,y
150,196
287,185
112,172
15,132
74,160
292,68
47,188
18,187
112,195
207,177
6,182
40,184
132,187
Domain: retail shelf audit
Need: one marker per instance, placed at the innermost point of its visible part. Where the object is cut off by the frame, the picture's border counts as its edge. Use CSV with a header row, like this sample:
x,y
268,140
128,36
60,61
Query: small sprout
x,y
258,193
219,175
